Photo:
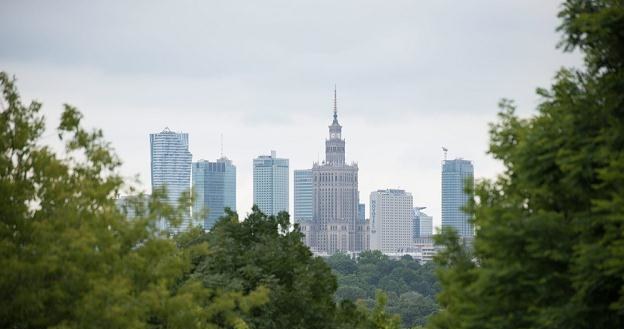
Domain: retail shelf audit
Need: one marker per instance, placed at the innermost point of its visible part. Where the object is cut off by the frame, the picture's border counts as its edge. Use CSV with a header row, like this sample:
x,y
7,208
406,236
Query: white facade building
x,y
171,169
391,221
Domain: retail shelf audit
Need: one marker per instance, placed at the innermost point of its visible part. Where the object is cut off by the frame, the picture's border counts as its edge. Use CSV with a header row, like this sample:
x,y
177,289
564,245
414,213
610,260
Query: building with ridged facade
x,y
171,169
335,226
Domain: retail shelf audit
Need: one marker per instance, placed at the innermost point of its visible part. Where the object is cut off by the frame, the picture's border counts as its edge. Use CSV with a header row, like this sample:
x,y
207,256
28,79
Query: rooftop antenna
x,y
221,145
445,152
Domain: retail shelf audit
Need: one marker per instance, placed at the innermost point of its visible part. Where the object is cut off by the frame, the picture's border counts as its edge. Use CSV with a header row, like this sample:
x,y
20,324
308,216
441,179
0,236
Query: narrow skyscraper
x,y
303,195
214,184
455,175
171,168
362,212
270,183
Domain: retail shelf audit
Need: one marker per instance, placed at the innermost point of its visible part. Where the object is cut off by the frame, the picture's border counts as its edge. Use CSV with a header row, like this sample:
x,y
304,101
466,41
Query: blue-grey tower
x,y
171,168
214,184
303,195
455,175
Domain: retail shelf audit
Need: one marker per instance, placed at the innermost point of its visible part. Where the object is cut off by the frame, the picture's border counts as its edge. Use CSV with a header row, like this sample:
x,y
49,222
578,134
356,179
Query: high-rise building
x,y
362,212
270,183
455,175
133,206
423,223
335,226
171,168
303,195
392,218
214,184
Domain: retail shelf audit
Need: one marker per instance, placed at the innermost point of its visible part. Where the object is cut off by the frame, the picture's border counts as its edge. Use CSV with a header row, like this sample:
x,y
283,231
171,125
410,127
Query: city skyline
x,y
407,83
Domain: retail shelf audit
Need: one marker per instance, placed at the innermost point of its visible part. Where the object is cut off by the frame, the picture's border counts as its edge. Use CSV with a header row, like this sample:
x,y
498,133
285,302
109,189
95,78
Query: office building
x,y
214,184
302,195
391,221
270,183
455,175
423,223
361,212
171,169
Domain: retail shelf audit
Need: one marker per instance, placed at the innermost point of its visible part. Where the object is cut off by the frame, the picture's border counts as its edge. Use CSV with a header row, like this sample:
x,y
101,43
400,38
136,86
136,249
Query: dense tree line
x,y
411,287
549,249
70,258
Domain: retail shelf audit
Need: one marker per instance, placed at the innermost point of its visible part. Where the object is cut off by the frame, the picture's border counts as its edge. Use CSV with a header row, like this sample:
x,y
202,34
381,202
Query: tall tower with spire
x,y
334,226
335,145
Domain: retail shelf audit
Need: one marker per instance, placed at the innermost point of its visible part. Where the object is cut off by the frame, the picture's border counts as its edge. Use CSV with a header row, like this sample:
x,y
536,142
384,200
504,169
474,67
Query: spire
x,y
335,105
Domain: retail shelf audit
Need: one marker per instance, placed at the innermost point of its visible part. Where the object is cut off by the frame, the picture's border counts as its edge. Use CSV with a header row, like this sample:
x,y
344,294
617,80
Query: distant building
x,y
171,168
133,206
270,183
361,212
214,184
423,223
303,195
335,226
391,221
455,175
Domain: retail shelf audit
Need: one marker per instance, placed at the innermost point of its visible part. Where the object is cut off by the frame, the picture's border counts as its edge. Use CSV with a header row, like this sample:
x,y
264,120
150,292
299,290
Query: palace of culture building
x,y
335,226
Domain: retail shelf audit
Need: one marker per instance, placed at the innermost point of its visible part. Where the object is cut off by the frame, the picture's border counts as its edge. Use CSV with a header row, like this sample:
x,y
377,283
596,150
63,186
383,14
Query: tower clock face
x,y
333,135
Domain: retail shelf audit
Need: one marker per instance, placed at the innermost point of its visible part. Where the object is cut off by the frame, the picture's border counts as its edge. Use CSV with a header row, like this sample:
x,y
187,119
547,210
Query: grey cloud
x,y
411,75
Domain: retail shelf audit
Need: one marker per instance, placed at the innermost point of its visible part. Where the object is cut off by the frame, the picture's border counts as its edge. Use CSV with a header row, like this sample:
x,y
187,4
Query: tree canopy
x,y
549,249
266,251
69,258
409,286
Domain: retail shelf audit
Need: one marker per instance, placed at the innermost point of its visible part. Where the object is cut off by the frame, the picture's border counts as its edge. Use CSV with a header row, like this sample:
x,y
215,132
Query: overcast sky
x,y
412,76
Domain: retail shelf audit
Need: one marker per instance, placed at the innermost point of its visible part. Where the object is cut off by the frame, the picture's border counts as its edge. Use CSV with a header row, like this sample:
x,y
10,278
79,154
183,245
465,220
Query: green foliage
x,y
262,251
409,287
549,251
69,258
266,252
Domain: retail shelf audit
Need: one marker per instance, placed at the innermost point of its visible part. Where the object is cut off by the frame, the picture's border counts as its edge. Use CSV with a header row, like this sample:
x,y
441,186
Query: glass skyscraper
x,y
214,184
303,195
362,212
270,183
423,223
455,174
171,168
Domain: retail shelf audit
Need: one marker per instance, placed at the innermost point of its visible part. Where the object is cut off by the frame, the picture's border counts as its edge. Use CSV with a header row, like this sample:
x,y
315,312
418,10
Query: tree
x,y
549,247
263,251
69,258
408,287
342,263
